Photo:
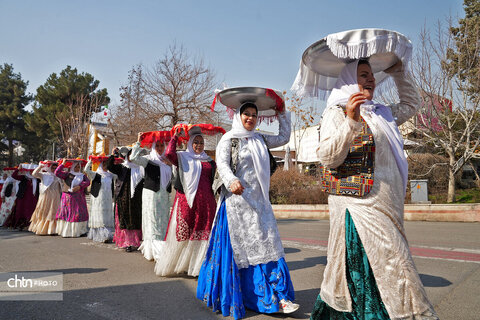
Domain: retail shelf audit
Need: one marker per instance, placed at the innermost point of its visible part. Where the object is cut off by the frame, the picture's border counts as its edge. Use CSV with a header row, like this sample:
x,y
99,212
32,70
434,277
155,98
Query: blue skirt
x,y
366,301
228,289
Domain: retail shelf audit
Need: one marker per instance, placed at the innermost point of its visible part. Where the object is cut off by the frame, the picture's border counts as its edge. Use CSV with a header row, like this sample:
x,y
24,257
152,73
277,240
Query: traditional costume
x,y
128,201
101,221
8,194
72,215
370,272
244,266
27,197
193,208
43,218
155,198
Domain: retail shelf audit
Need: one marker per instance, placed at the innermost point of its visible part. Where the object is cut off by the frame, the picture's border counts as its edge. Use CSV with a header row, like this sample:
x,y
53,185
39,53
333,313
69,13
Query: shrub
x,y
293,187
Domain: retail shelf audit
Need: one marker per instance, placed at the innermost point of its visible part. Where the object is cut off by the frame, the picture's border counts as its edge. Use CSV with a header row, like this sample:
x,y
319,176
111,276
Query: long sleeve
x,y
59,172
171,152
284,129
37,174
337,133
409,97
85,183
88,170
17,176
112,167
2,193
222,159
136,158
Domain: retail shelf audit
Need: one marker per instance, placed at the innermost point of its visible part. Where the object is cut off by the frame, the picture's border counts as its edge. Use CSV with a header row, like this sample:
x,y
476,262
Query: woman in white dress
x,y
370,272
155,198
101,219
245,266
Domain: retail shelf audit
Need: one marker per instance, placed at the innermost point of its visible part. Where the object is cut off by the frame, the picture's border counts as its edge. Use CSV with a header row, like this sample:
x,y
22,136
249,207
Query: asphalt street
x,y
103,282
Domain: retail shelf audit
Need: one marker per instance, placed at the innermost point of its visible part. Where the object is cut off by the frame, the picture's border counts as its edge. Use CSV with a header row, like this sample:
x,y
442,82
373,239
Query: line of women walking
x,y
221,227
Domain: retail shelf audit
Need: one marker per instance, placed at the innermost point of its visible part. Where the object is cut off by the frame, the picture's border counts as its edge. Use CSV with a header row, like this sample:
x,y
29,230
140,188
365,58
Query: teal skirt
x,y
366,301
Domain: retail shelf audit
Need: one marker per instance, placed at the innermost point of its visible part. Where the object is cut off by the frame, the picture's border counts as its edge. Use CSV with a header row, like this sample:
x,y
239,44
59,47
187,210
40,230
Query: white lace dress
x,y
101,219
378,216
155,213
251,223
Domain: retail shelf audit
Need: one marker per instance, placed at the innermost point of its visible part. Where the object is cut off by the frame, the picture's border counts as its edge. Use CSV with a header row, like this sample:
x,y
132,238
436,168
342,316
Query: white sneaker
x,y
287,306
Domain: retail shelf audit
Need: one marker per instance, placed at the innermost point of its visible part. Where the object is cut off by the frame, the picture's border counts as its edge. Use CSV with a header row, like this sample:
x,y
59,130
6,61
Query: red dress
x,y
25,203
194,223
189,228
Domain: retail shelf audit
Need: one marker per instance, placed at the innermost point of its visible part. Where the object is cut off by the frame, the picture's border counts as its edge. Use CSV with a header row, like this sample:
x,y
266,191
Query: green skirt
x,y
366,301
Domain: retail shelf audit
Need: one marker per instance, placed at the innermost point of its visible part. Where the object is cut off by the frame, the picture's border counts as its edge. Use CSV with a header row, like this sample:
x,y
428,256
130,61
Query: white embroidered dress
x,y
101,219
251,223
378,216
155,212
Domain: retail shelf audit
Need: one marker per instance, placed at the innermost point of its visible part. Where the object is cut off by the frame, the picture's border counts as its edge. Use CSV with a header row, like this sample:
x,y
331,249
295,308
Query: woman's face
x,y
366,81
77,167
159,147
54,167
198,144
249,118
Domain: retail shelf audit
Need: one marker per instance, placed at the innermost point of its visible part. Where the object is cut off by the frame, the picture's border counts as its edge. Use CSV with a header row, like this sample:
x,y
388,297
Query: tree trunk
x,y
10,153
451,180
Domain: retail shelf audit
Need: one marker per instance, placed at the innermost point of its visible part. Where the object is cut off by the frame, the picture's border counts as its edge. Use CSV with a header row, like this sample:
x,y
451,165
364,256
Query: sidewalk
x,y
413,212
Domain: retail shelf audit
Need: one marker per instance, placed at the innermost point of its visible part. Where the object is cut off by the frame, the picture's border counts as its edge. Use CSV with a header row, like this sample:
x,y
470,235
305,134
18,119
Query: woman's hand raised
x,y
353,105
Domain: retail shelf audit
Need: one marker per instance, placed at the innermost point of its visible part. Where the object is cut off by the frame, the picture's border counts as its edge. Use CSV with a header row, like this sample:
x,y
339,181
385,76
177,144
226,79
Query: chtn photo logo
x,y
17,282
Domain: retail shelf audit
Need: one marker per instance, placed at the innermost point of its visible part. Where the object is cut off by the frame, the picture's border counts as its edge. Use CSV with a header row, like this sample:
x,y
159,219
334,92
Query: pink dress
x,y
72,215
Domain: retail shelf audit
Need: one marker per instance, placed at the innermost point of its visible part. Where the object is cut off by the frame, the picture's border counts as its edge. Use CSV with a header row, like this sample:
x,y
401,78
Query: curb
x,y
413,212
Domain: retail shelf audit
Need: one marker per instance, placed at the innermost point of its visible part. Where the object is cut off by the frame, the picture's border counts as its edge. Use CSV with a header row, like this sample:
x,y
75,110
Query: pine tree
x,y
13,100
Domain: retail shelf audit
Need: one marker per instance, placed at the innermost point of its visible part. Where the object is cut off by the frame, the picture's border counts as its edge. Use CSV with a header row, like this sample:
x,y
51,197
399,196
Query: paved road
x,y
102,282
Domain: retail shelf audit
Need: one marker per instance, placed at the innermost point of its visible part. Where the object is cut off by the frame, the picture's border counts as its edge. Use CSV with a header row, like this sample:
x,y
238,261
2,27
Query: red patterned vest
x,y
354,177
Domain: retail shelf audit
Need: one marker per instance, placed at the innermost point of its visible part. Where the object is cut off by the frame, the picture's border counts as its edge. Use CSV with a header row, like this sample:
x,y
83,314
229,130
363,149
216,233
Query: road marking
x,y
425,252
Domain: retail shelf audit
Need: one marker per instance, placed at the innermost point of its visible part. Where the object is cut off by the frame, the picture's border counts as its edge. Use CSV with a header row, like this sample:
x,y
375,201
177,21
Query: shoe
x,y
129,249
287,306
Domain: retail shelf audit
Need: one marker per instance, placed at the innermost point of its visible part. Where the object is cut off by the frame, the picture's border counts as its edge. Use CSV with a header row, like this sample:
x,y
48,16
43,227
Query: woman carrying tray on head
x,y
245,266
128,200
43,218
101,219
72,215
194,205
370,272
26,197
155,198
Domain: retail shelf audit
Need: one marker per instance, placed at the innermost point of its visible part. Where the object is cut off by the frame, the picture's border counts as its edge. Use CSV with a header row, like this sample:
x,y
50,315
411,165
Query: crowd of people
x,y
220,226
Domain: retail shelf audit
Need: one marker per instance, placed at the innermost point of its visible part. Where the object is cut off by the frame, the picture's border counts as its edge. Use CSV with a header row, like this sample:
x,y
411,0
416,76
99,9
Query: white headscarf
x,y
192,169
107,175
136,174
380,115
165,169
78,176
258,150
47,178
